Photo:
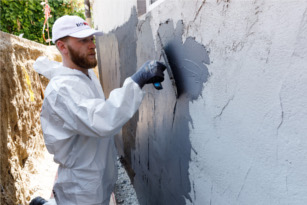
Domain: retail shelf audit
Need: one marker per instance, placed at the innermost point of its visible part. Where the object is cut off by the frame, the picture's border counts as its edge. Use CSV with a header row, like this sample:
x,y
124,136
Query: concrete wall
x,y
237,132
21,138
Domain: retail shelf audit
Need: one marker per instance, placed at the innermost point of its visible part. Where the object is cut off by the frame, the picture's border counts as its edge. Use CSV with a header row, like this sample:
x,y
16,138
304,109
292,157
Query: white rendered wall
x,y
249,132
250,128
110,14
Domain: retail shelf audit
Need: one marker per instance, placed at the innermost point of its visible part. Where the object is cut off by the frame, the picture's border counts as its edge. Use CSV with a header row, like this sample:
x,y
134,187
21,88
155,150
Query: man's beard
x,y
81,60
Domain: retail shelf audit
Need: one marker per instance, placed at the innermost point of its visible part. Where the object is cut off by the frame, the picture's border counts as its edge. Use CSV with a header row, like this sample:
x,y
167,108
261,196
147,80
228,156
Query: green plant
x,y
27,16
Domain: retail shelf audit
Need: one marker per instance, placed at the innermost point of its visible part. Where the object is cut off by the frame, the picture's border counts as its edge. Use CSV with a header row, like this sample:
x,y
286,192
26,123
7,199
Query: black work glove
x,y
150,72
38,201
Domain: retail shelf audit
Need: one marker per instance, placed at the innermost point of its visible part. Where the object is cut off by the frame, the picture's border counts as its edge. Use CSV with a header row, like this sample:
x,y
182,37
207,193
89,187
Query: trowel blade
x,y
169,71
168,67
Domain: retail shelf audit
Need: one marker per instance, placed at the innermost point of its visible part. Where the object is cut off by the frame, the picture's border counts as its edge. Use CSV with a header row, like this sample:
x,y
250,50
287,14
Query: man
x,y
78,123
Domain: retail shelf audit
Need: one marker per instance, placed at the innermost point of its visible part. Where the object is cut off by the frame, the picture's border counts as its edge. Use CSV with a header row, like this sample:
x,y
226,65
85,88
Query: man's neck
x,y
74,66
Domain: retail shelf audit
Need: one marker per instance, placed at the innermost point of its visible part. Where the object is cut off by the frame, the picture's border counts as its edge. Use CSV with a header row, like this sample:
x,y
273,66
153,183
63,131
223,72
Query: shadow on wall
x,y
156,141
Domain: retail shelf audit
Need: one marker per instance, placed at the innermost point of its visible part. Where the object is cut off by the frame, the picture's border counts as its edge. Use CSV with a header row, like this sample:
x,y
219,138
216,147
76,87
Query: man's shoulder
x,y
64,84
66,80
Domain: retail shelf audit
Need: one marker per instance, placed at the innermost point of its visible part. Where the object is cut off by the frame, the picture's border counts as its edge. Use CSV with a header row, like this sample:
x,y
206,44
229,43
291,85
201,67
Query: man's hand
x,y
150,72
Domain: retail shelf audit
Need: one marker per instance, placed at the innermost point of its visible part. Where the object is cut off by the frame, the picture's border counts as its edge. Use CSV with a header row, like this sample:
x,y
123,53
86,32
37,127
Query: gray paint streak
x,y
156,140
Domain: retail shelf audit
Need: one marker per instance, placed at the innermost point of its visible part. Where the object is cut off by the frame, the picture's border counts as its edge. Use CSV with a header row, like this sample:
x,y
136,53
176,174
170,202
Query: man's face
x,y
82,52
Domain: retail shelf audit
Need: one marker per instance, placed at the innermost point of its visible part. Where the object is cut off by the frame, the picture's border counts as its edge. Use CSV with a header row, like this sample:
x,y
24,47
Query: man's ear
x,y
62,46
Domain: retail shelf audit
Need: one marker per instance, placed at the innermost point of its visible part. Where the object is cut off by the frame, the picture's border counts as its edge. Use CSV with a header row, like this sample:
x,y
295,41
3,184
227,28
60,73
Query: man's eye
x,y
86,40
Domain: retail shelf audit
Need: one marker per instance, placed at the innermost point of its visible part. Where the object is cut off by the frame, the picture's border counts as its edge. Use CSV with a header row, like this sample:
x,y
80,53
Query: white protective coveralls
x,y
78,124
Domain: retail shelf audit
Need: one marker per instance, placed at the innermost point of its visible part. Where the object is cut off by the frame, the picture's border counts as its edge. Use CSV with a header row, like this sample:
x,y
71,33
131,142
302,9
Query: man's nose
x,y
92,45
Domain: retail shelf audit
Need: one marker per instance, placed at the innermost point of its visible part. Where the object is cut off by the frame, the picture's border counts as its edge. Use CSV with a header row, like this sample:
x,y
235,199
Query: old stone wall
x,y
21,94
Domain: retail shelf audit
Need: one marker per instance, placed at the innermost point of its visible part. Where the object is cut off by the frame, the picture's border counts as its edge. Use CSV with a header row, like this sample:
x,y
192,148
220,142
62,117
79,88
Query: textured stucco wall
x,y
21,94
237,133
108,14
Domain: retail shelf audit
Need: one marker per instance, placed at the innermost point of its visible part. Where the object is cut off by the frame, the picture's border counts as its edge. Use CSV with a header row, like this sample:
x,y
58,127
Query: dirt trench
x,y
21,93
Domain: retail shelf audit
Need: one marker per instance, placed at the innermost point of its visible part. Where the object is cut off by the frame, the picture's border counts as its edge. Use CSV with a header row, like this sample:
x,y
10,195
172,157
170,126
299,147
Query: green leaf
x,y
30,14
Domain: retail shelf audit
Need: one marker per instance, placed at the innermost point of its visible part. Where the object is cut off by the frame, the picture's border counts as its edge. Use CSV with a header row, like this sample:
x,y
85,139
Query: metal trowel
x,y
158,85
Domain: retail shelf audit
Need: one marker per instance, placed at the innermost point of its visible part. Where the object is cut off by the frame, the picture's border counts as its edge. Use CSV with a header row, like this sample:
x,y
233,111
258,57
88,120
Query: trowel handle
x,y
157,85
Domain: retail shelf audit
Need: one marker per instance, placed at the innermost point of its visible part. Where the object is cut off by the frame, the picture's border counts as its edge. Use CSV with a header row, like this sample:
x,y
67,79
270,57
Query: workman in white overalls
x,y
78,123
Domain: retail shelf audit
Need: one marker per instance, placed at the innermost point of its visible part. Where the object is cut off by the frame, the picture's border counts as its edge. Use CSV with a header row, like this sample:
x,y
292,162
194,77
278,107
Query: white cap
x,y
73,26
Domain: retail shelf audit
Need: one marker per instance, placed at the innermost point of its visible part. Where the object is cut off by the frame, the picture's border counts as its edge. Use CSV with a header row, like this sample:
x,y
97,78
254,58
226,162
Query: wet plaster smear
x,y
156,141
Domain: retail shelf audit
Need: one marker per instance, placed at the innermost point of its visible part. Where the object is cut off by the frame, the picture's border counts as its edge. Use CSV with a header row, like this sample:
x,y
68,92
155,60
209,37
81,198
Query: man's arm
x,y
82,114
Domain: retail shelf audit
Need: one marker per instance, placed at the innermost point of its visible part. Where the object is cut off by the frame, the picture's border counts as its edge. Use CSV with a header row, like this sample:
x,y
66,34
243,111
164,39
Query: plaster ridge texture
x,y
245,131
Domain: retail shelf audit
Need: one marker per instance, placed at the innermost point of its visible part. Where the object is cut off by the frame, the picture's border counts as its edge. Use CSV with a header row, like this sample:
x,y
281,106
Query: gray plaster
x,y
163,149
187,59
156,140
117,53
126,37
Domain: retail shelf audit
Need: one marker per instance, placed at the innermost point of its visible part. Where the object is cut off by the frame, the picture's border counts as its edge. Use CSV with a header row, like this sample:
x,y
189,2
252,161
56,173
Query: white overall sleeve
x,y
79,112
